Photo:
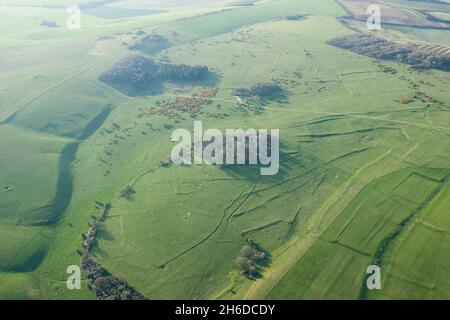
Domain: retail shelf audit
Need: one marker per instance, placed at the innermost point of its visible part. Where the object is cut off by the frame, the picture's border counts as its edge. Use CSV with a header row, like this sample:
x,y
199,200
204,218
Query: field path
x,y
324,113
287,257
6,115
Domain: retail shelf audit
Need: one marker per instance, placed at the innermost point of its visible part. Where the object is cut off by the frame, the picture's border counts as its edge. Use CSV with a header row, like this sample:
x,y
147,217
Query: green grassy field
x,y
363,178
363,233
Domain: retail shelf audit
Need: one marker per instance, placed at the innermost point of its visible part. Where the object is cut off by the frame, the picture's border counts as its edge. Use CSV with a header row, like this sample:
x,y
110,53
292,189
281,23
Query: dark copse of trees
x,y
49,24
127,192
295,16
142,73
251,259
377,48
261,90
106,286
151,44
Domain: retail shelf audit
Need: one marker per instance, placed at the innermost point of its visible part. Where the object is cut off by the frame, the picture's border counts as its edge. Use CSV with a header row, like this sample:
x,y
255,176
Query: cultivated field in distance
x,y
393,13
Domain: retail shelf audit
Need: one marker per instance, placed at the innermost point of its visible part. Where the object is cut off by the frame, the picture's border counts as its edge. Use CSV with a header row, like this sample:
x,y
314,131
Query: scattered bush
x,y
295,16
405,100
